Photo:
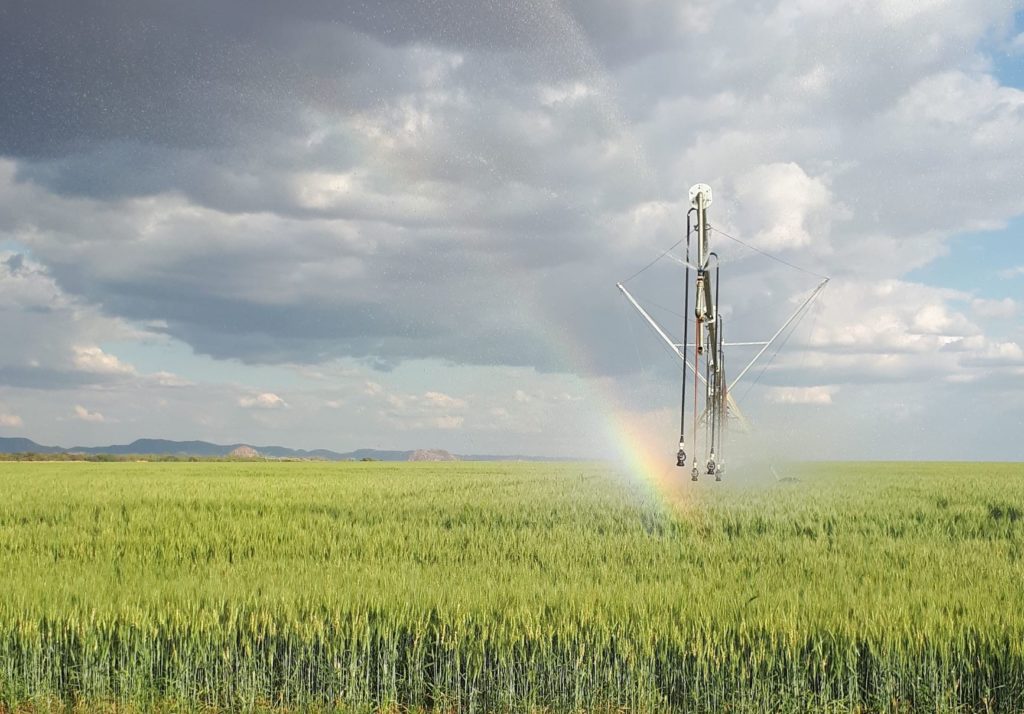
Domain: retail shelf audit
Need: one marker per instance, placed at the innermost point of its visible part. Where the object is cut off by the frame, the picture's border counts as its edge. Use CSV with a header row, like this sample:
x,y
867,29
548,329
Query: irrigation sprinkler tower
x,y
712,414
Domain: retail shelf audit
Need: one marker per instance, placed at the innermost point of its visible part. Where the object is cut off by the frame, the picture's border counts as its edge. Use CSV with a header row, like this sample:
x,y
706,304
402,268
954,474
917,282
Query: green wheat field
x,y
509,587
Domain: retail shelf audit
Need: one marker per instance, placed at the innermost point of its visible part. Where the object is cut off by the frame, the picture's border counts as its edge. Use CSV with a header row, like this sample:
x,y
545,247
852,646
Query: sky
x,y
331,224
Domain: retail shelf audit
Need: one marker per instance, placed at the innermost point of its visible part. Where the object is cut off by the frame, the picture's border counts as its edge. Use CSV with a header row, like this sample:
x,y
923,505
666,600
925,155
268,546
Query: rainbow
x,y
643,443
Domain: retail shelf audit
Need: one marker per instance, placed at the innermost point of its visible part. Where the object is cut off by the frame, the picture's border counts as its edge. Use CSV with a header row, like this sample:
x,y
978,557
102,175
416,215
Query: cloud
x,y
887,316
10,420
418,412
1014,272
794,209
305,251
1016,46
444,401
95,360
1005,308
56,331
393,186
449,422
168,379
265,400
83,414
801,395
995,353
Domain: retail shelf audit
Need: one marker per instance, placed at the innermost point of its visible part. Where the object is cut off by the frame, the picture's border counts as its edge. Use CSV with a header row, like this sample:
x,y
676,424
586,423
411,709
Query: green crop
x,y
509,587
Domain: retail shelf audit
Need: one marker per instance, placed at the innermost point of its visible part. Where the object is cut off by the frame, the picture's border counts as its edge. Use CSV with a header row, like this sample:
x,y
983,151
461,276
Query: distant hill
x,y
165,447
21,446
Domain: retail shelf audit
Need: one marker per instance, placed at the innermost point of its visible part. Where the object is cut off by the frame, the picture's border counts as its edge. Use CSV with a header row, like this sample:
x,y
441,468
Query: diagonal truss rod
x,y
787,323
765,345
657,328
733,406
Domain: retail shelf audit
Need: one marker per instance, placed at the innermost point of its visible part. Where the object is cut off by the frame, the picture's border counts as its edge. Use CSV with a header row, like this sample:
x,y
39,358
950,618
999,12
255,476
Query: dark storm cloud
x,y
83,72
199,75
294,182
137,98
180,75
234,108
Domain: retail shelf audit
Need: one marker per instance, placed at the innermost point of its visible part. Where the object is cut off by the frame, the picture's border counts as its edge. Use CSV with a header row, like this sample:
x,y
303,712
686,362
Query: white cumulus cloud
x,y
93,359
444,401
83,414
266,400
11,420
1007,307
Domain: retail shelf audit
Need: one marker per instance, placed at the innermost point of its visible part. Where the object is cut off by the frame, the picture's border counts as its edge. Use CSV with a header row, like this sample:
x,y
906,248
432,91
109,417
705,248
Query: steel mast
x,y
707,342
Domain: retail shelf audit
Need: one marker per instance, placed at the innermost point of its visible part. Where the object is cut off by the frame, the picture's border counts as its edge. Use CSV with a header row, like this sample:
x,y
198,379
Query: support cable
x,y
651,264
775,353
766,254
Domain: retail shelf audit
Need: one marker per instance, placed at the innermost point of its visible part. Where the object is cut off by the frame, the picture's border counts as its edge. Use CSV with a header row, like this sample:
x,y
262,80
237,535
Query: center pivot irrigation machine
x,y
712,414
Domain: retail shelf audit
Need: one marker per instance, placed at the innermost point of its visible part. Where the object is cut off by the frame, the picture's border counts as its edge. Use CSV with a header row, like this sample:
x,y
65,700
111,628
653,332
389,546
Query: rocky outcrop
x,y
244,452
432,455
